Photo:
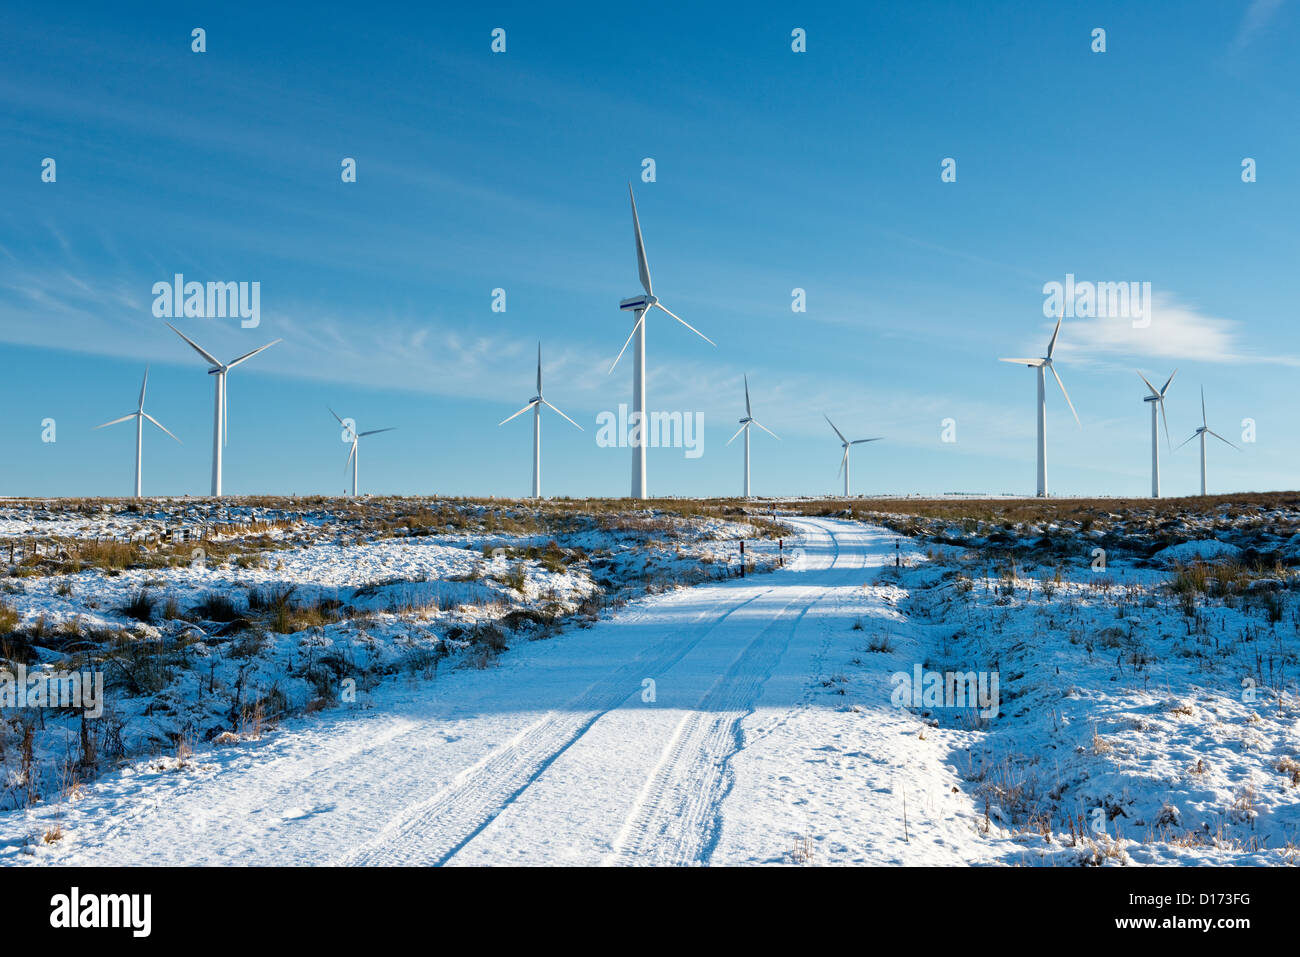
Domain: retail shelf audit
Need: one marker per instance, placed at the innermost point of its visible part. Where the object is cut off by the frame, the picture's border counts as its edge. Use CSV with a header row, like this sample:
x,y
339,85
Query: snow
x,y
1205,549
553,756
747,721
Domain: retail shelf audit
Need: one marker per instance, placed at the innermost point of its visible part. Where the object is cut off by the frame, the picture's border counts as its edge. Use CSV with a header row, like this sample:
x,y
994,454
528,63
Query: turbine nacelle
x,y
639,303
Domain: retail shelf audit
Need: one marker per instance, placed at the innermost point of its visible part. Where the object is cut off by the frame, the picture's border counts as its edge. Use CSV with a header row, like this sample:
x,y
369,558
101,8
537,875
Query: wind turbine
x,y
536,403
1041,365
745,423
139,415
353,457
1202,432
641,305
219,427
844,462
1157,399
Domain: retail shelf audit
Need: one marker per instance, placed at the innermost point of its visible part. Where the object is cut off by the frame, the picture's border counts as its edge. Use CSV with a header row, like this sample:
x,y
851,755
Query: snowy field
x,y
482,683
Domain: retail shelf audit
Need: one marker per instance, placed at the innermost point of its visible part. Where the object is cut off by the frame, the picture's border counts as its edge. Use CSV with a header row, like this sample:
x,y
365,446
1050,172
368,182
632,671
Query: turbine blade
x,y
639,319
160,425
844,461
248,355
377,431
225,415
837,431
351,452
738,431
748,411
1186,440
1203,422
197,348
860,441
1167,381
685,323
642,266
336,415
1221,438
539,368
1024,362
1168,440
142,387
1051,346
1066,394
517,414
115,421
765,429
1153,389
562,415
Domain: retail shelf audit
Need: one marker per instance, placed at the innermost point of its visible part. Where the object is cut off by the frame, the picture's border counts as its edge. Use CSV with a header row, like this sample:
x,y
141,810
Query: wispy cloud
x,y
1177,333
1258,16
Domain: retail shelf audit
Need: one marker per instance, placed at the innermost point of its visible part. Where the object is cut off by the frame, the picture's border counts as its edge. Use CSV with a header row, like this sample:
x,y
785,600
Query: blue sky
x,y
774,170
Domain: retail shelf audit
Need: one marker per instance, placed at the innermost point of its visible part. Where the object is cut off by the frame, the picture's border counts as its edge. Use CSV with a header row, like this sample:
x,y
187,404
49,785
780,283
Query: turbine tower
x,y
353,457
1202,432
745,423
536,403
1042,365
641,305
844,462
219,428
139,415
1157,400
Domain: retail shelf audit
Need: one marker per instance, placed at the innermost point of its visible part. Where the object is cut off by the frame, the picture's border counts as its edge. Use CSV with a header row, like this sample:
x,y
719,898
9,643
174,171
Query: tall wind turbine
x,y
139,415
1042,365
641,305
536,403
219,427
1157,399
1202,432
844,462
353,457
745,423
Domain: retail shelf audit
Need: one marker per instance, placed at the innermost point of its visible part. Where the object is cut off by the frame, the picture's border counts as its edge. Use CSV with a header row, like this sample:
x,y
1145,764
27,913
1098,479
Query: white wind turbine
x,y
1202,432
745,423
641,305
1041,365
353,457
219,427
1157,399
536,403
844,462
139,415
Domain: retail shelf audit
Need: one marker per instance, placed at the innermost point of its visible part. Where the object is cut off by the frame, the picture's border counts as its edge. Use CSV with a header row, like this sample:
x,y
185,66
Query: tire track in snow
x,y
434,830
677,816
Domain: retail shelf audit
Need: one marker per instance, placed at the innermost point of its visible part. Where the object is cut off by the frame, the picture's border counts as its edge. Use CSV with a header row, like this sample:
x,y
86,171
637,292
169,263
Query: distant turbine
x,y
353,457
844,462
139,415
641,305
1041,364
1157,399
219,426
745,423
1203,431
536,403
